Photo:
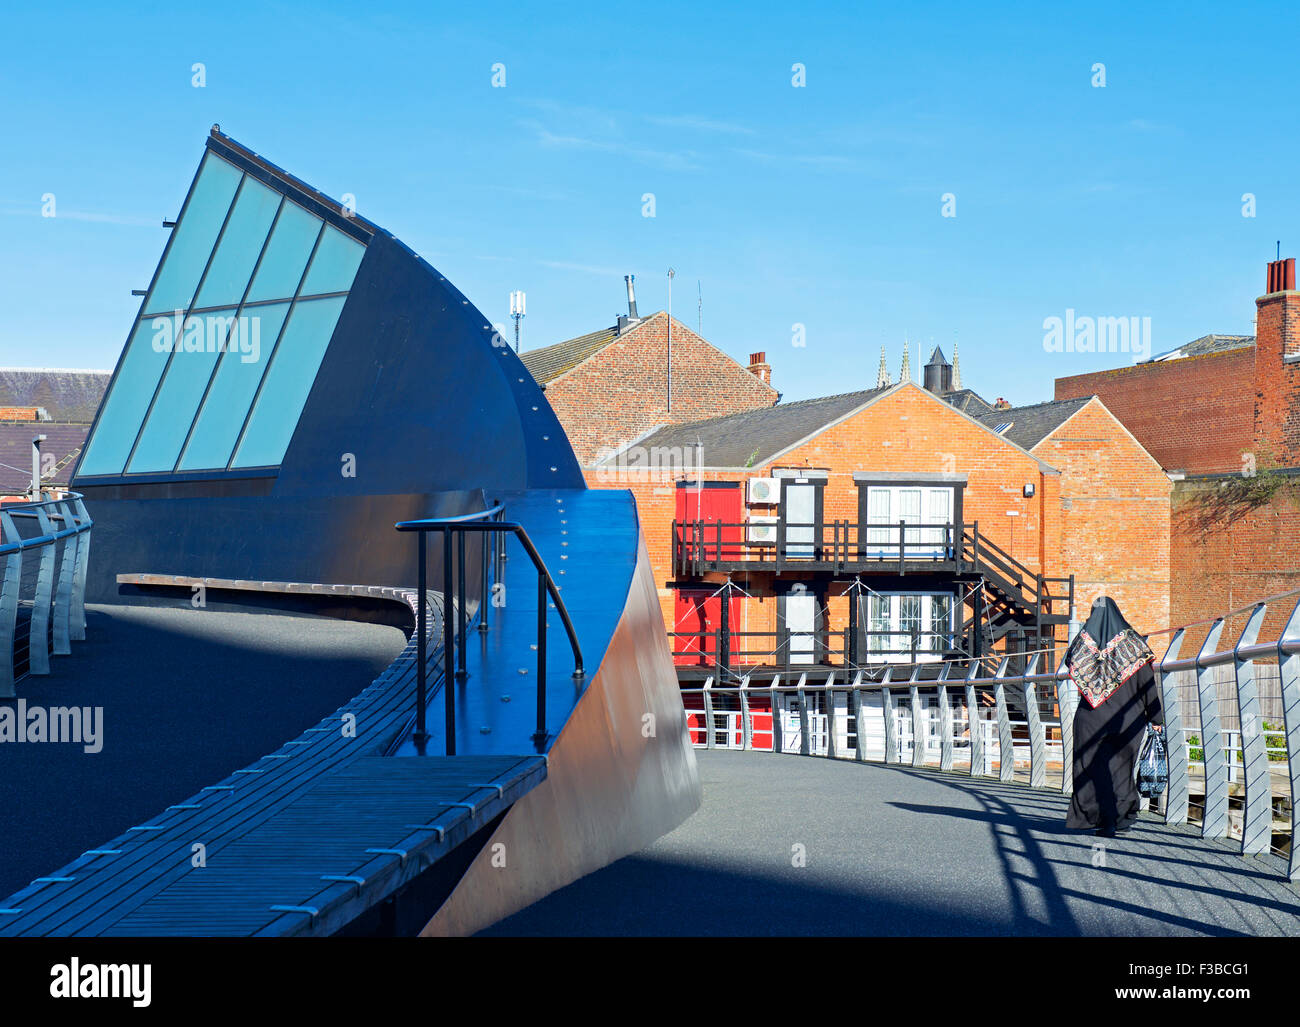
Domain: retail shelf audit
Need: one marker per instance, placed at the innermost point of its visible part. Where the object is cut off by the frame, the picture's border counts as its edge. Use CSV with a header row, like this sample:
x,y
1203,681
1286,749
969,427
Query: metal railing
x,y
485,522
1254,765
44,546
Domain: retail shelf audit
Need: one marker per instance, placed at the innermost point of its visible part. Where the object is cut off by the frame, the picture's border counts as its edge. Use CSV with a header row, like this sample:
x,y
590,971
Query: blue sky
x,y
819,206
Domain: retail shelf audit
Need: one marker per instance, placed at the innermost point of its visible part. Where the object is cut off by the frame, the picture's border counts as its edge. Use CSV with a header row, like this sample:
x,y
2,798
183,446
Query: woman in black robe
x,y
1110,663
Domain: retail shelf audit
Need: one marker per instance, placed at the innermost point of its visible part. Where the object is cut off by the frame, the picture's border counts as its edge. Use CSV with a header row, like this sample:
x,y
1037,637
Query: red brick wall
x,y
1195,415
621,392
18,413
1114,516
1224,556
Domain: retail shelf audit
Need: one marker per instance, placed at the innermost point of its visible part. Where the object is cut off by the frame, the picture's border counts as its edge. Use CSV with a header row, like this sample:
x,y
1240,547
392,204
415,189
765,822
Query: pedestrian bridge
x,y
789,845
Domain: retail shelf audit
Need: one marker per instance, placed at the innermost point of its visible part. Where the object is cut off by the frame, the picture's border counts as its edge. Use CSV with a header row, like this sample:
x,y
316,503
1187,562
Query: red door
x,y
719,508
697,616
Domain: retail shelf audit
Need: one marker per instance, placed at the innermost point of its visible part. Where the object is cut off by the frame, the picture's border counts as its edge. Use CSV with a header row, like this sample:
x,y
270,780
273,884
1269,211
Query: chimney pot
x,y
760,368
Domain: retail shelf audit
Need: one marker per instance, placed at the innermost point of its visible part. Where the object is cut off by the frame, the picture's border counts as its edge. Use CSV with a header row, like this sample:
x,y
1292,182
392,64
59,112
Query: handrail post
x,y
462,613
1067,701
920,722
448,644
540,736
63,586
485,602
421,646
79,573
945,720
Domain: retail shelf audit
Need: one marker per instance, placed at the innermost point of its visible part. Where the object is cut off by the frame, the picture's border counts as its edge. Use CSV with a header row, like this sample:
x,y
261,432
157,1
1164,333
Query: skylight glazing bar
x,y
198,288
207,389
248,414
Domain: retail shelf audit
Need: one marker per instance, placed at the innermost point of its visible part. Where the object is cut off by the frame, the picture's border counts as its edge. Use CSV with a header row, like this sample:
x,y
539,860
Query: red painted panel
x,y
699,610
712,504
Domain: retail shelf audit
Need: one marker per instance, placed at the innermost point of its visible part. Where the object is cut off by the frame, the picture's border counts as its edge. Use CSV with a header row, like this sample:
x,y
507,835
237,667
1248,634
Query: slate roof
x,y
549,362
71,397
63,440
969,402
1031,424
753,436
1206,344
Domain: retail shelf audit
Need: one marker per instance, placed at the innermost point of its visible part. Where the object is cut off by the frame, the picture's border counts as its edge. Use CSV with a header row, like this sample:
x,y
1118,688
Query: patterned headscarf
x,y
1105,653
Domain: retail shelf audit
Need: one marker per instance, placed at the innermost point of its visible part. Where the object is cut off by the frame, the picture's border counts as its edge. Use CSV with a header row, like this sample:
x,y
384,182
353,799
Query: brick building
x,y
614,385
802,507
1222,415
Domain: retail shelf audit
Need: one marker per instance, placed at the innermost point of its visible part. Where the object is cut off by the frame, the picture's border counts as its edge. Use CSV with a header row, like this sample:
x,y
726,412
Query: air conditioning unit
x,y
761,531
763,491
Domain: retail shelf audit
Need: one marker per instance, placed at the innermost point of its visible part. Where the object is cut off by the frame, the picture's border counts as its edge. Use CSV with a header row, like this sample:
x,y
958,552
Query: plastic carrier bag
x,y
1153,765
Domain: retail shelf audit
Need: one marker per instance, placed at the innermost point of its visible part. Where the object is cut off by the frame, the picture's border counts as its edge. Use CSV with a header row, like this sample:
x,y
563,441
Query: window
x,y
913,505
895,621
236,324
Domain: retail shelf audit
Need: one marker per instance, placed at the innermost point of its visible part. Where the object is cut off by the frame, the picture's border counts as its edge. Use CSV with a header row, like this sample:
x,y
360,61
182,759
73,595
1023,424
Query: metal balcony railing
x,y
44,548
489,523
1220,744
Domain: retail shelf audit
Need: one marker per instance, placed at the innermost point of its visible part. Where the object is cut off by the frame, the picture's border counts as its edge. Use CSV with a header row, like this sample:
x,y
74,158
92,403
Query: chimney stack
x,y
628,320
1281,275
760,368
1277,365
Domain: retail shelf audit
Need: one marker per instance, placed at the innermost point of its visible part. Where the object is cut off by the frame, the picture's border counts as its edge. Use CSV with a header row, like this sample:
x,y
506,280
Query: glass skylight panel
x,y
195,364
288,381
217,428
196,349
125,405
194,236
241,243
335,264
285,259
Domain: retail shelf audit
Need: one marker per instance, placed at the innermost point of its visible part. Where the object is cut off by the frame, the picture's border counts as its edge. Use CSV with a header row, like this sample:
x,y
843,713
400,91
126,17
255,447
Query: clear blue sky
x,y
818,205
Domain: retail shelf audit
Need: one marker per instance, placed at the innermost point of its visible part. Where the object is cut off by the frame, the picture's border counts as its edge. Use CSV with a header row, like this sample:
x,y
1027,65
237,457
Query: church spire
x,y
882,376
906,374
956,367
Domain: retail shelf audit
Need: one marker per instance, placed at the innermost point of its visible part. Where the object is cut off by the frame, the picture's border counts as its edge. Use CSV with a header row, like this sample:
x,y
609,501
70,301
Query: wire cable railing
x,y
44,547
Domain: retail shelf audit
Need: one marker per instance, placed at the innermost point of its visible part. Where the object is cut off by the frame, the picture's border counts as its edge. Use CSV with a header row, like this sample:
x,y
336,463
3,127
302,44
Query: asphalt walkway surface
x,y
802,846
188,697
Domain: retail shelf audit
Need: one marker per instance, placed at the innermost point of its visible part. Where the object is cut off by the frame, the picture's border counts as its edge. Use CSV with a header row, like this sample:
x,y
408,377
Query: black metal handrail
x,y
483,522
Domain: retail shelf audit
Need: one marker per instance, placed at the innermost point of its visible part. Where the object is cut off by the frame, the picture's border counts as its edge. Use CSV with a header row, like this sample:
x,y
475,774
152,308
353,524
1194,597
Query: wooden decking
x,y
300,843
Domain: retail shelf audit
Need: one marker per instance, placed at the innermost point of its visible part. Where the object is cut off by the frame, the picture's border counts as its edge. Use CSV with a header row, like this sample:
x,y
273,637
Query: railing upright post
x,y
945,720
38,640
1037,735
708,714
902,544
1288,665
893,752
1006,744
1214,817
778,739
448,644
830,716
13,577
920,722
63,587
1176,791
421,645
485,602
1067,701
1257,820
805,743
746,718
974,725
462,611
859,730
79,574
540,737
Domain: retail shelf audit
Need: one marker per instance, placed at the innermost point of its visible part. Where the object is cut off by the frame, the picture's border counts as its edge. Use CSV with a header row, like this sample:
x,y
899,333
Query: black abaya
x,y
1107,743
